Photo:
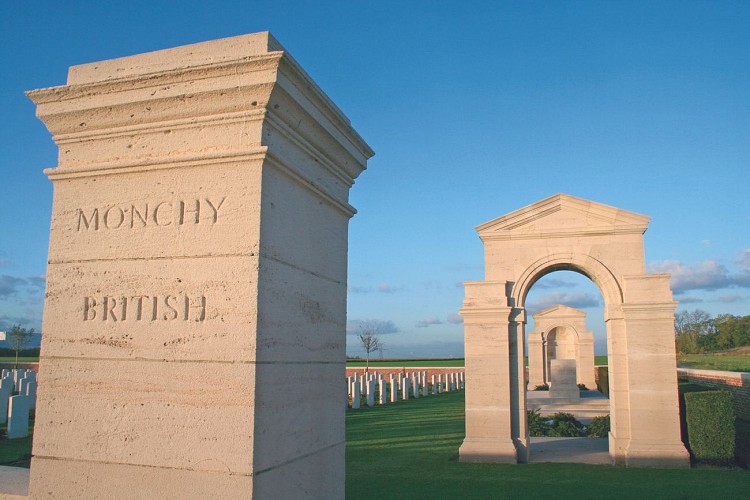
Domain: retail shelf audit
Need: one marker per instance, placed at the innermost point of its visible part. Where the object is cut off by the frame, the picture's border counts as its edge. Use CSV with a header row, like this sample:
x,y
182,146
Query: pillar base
x,y
646,453
488,450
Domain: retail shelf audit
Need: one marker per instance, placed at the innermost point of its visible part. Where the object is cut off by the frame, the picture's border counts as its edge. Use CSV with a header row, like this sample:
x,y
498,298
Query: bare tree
x,y
370,339
18,338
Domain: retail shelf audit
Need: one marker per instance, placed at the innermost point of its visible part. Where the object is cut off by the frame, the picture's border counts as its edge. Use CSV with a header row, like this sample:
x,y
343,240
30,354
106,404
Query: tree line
x,y
697,332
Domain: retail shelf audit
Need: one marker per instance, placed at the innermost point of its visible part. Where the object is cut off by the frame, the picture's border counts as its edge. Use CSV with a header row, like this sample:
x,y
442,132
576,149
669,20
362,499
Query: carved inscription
x,y
150,214
114,308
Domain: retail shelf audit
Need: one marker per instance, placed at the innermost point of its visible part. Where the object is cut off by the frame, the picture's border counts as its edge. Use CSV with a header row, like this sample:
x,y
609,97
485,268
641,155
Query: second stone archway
x,y
606,244
560,333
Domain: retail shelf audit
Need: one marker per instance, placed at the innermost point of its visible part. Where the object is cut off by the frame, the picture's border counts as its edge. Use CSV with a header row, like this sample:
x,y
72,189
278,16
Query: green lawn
x,y
729,363
409,450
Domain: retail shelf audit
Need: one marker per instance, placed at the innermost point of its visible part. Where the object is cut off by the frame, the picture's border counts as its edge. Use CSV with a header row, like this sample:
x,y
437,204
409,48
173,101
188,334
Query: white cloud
x,y
743,261
730,298
576,300
9,285
455,319
706,275
706,243
381,288
377,326
386,288
685,299
548,282
424,323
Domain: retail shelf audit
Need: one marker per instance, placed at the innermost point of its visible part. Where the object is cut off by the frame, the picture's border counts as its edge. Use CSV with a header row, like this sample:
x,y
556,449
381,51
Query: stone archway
x,y
606,244
560,333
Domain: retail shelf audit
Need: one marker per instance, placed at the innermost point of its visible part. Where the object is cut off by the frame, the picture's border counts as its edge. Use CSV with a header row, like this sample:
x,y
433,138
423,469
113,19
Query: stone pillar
x,y
619,434
654,407
586,360
536,361
516,351
198,239
488,413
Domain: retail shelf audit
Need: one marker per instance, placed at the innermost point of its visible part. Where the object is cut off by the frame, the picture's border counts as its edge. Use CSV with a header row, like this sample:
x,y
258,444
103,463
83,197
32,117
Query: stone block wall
x,y
738,383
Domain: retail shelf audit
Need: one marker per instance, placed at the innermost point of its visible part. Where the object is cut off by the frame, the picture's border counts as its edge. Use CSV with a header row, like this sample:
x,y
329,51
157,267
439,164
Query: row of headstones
x,y
15,409
400,386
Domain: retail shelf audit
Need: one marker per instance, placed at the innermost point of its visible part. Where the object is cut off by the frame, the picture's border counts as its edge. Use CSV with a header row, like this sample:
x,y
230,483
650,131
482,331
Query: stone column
x,y
654,407
198,239
536,361
586,360
516,351
488,413
619,434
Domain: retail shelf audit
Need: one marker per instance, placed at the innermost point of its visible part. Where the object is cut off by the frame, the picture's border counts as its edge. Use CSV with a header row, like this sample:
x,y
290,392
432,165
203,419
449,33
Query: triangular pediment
x,y
559,311
563,215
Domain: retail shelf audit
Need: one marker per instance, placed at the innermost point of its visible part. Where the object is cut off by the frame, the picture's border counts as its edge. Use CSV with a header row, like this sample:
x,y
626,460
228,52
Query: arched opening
x,y
604,244
567,410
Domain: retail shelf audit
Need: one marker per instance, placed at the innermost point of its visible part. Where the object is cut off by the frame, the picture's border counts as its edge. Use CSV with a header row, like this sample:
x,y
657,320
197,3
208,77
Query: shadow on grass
x,y
409,450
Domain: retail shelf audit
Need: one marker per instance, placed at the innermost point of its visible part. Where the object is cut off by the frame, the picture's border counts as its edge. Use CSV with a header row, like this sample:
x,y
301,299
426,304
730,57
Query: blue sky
x,y
474,110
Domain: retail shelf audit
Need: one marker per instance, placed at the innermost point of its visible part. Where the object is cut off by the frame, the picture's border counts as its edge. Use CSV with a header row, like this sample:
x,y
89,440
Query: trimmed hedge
x,y
710,426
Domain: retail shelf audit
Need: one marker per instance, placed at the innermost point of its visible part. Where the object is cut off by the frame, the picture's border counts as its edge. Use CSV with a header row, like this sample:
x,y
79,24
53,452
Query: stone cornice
x,y
601,220
58,105
562,233
157,163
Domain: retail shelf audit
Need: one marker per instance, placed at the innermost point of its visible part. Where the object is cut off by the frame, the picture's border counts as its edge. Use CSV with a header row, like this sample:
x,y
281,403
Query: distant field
x,y
445,362
21,359
723,362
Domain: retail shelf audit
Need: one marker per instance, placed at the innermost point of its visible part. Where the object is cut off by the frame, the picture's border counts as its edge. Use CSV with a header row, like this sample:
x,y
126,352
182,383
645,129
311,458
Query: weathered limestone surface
x,y
563,379
606,244
197,272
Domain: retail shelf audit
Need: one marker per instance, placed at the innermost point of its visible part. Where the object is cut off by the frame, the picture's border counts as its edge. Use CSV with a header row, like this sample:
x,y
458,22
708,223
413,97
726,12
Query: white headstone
x,y
370,393
22,385
18,417
355,396
31,393
6,389
381,390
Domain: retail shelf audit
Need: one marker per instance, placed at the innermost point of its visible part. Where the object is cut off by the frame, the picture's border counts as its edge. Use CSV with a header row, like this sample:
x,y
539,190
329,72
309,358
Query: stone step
x,y
567,401
575,411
